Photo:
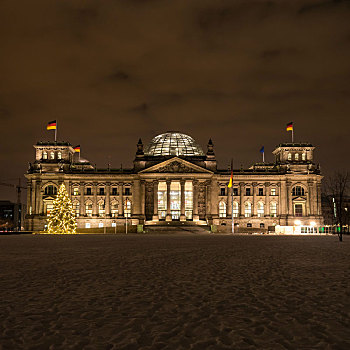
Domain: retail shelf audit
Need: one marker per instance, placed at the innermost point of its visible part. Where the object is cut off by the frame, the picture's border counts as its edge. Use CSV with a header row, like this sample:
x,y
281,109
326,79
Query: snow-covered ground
x,y
174,292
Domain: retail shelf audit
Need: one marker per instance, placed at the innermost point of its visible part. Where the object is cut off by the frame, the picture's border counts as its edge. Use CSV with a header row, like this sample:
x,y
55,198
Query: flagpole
x,y
56,132
293,134
232,220
264,156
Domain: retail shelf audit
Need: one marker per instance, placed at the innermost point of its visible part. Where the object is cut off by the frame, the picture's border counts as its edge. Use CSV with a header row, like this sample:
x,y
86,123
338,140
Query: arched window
x,y
50,190
127,208
296,156
44,155
75,191
247,209
76,208
235,210
303,156
101,208
289,156
222,209
52,155
273,209
114,208
260,209
88,208
59,155
298,191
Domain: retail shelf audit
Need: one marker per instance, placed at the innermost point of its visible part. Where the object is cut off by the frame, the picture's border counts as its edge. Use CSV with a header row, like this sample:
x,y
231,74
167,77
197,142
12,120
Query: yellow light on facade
x,y
297,222
313,223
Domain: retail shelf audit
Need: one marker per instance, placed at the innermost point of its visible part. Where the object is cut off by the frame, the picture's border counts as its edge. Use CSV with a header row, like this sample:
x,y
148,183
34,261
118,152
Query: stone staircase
x,y
183,229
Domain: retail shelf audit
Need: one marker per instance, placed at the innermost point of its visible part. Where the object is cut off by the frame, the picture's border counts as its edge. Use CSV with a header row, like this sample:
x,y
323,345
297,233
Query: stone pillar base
x,y
195,218
155,218
168,218
182,217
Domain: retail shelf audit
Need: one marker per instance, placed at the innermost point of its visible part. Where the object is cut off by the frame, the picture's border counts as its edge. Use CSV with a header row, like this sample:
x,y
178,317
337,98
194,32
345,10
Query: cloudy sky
x,y
113,71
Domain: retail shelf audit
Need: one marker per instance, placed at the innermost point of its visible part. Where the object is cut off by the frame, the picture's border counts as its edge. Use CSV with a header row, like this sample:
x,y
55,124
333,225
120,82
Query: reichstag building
x,y
174,181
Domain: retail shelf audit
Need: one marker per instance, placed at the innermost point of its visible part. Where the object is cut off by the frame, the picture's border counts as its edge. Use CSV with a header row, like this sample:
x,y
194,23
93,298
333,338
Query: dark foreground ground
x,y
174,292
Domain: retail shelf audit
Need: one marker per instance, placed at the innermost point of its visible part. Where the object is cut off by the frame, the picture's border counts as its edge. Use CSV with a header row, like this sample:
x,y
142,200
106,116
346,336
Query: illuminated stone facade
x,y
173,180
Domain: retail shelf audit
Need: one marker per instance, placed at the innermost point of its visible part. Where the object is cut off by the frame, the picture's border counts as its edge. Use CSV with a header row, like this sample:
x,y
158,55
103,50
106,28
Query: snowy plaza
x,y
174,291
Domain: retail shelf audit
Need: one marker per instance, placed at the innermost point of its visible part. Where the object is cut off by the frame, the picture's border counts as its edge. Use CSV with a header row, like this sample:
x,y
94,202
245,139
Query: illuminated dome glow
x,y
173,143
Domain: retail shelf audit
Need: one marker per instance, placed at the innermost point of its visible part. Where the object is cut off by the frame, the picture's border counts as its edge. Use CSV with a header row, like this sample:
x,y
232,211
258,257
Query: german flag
x,y
77,148
51,125
289,126
231,178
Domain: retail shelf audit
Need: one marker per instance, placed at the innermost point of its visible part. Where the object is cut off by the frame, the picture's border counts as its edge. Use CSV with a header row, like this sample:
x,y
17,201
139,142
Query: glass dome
x,y
173,143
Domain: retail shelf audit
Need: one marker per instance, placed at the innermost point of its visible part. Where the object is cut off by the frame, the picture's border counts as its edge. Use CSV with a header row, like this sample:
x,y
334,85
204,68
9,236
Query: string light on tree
x,y
62,217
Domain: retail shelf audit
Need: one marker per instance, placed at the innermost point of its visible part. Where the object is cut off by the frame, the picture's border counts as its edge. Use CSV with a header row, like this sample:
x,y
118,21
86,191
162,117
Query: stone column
x,y
121,199
32,196
41,202
155,201
318,196
210,198
283,198
182,216
94,199
195,200
254,204
135,208
68,185
267,199
241,199
168,211
82,204
213,197
142,197
289,198
108,199
37,196
29,194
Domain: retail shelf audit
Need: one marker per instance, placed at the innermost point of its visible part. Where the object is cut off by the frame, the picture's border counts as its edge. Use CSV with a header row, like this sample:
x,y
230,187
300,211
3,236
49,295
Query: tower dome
x,y
173,143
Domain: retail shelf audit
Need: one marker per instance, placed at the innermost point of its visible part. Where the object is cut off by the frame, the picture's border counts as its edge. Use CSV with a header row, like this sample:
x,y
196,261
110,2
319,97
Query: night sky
x,y
113,71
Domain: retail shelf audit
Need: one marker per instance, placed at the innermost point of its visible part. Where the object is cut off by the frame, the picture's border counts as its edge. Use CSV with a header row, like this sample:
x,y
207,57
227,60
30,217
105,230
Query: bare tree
x,y
336,190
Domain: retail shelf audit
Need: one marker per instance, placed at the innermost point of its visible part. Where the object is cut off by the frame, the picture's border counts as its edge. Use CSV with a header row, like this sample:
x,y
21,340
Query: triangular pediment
x,y
176,165
300,199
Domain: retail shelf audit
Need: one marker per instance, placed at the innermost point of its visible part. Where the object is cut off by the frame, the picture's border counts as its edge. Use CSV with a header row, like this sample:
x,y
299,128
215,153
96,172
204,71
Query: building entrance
x,y
175,200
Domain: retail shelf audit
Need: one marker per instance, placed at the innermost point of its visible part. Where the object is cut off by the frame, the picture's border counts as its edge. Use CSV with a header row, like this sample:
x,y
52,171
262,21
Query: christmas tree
x,y
62,218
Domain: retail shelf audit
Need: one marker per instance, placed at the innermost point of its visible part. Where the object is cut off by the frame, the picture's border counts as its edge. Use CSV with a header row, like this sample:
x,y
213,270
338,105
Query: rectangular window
x,y
247,191
114,224
235,210
100,224
298,209
75,191
249,225
114,191
127,191
101,191
235,191
88,191
273,192
87,225
222,191
261,191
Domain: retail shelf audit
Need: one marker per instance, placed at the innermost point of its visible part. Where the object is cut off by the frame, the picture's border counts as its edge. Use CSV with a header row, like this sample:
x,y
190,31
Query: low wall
x,y
117,229
228,229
